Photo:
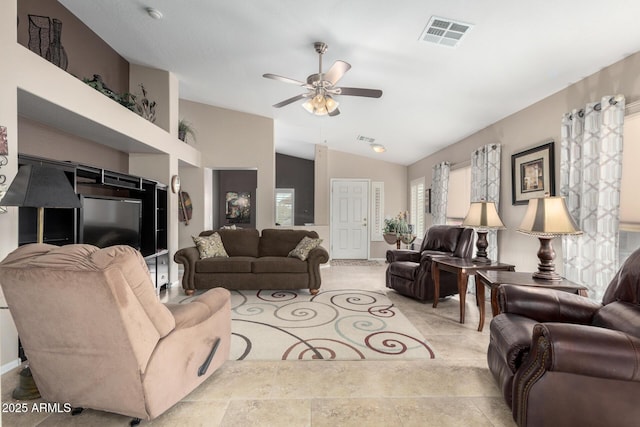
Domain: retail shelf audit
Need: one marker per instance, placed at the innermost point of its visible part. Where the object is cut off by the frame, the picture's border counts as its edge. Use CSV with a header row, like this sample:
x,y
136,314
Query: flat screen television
x,y
108,221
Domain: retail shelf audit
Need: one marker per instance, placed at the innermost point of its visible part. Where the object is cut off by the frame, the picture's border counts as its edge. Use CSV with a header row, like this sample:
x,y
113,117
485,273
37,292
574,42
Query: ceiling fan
x,y
321,86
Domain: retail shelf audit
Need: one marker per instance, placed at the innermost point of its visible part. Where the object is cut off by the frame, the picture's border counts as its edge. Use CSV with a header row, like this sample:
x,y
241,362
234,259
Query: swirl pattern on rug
x,y
347,324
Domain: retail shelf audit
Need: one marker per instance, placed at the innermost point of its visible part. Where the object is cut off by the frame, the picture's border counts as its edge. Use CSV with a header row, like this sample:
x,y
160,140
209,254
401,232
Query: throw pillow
x,y
210,246
303,248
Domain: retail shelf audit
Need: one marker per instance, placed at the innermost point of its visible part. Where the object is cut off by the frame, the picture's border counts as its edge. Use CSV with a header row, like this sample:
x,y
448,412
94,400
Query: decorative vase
x,y
56,53
182,135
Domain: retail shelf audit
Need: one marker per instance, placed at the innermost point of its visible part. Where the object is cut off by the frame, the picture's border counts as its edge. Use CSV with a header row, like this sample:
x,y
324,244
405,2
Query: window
x,y
377,209
459,195
285,202
629,232
416,214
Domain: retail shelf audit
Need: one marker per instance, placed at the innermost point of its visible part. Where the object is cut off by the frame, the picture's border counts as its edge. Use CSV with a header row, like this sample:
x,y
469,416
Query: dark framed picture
x,y
238,207
533,174
427,201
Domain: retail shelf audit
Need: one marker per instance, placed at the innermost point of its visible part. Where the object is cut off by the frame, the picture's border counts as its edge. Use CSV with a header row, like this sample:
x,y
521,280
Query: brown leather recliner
x,y
409,271
562,359
97,336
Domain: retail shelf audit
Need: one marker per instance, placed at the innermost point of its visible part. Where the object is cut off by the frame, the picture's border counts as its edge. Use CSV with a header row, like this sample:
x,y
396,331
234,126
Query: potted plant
x,y
184,129
398,230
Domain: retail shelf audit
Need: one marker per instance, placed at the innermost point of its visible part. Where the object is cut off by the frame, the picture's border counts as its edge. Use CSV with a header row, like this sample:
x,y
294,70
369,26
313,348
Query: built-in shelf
x,y
61,225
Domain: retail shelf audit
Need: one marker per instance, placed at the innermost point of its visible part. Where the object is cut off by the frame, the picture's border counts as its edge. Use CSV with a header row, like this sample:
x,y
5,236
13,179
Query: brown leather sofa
x,y
255,262
96,335
409,271
565,360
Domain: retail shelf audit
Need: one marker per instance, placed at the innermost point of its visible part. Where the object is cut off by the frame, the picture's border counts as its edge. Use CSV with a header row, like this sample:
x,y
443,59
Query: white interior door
x,y
349,219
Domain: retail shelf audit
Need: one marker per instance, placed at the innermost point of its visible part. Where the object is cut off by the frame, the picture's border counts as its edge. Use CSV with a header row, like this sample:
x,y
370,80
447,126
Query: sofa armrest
x,y
316,257
581,359
546,305
589,350
402,255
428,255
188,258
173,369
199,309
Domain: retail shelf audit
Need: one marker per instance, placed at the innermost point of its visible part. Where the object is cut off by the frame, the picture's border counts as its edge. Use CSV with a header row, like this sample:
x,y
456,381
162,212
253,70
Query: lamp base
x,y
481,260
481,247
545,275
27,388
546,267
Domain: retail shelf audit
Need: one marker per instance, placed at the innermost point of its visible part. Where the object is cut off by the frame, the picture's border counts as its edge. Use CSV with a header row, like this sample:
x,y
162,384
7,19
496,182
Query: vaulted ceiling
x,y
514,54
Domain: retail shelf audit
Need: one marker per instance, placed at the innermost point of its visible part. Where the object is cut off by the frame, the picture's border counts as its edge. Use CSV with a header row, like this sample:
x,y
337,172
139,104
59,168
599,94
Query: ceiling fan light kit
x,y
321,87
321,105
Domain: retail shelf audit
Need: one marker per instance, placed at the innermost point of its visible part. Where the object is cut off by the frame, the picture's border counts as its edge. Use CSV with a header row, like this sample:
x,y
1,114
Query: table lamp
x,y
483,216
40,187
546,218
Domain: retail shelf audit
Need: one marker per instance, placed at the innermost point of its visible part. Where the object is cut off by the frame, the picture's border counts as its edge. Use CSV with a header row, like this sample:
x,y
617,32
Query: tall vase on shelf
x,y
56,53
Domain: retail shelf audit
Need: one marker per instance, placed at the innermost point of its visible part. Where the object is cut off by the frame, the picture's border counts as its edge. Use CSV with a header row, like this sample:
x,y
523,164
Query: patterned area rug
x,y
357,262
338,325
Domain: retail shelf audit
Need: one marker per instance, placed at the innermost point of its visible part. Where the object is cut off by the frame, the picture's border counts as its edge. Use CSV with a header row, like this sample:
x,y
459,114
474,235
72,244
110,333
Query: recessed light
x,y
378,148
154,13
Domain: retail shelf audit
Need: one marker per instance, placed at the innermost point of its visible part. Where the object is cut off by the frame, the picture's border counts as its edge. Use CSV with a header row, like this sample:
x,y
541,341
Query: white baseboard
x,y
9,366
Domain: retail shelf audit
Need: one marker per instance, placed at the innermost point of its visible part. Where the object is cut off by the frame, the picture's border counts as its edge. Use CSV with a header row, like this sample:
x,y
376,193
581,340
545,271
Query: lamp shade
x,y
548,217
38,186
483,215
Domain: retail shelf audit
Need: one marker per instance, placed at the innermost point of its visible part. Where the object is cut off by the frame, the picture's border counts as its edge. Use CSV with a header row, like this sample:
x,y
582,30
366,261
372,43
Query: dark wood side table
x,y
493,280
463,268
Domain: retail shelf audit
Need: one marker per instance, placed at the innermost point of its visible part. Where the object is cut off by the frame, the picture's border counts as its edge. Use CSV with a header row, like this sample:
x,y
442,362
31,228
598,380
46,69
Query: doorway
x,y
349,219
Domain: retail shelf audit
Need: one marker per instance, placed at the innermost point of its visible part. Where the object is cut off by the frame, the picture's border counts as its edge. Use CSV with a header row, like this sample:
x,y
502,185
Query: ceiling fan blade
x,y
334,113
355,91
291,100
284,79
336,71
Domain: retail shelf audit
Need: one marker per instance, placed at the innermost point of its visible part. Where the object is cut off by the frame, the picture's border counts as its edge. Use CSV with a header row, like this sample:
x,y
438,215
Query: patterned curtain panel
x,y
485,184
590,175
439,190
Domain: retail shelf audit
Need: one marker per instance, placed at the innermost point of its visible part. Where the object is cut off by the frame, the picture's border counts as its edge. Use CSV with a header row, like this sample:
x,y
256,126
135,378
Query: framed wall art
x,y
238,207
533,174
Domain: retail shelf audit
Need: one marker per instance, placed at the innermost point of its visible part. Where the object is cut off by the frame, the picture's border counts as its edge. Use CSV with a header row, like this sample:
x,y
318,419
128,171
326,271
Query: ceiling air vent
x,y
366,139
445,31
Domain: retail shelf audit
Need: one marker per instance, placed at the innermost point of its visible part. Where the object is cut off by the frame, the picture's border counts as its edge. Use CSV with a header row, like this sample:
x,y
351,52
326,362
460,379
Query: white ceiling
x,y
517,53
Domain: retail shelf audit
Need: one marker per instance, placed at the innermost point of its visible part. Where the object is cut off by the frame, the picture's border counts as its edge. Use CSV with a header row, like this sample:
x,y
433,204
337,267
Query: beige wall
x,y
87,53
342,165
40,140
233,140
528,128
162,88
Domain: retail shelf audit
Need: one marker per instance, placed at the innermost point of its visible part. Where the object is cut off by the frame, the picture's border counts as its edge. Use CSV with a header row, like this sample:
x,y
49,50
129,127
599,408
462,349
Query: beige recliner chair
x,y
96,335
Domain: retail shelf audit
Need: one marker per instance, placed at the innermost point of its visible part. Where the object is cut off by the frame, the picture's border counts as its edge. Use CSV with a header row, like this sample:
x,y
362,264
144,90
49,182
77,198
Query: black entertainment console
x,y
105,189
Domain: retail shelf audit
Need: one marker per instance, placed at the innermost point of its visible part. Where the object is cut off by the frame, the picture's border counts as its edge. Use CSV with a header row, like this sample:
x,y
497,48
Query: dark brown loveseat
x,y
255,262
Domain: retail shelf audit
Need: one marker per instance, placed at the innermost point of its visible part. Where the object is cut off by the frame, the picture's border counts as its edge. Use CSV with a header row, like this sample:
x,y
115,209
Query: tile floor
x,y
455,389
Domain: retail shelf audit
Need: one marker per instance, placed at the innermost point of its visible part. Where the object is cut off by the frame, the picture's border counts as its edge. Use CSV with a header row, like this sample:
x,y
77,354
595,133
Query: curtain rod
x,y
598,107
